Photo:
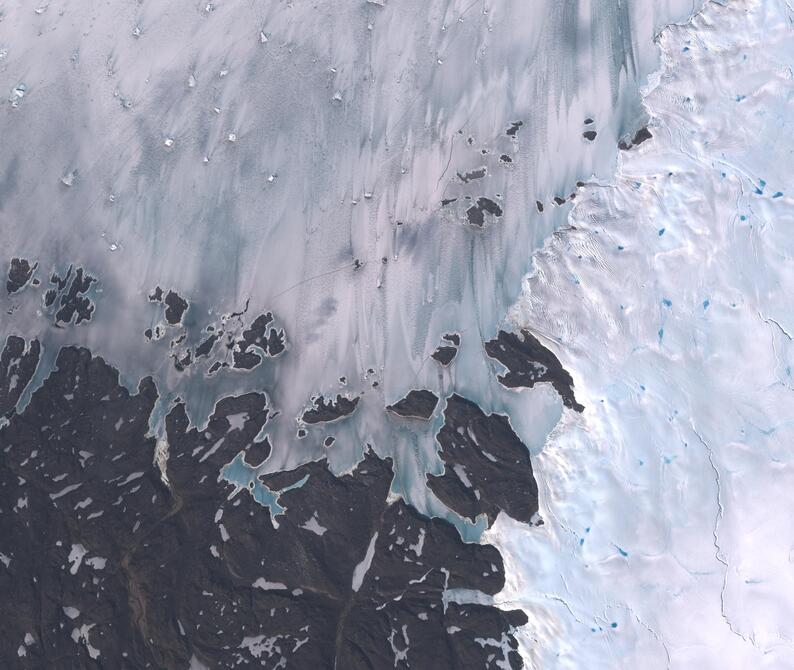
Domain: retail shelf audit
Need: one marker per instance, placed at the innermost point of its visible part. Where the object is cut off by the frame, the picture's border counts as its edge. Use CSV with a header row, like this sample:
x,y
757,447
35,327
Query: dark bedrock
x,y
326,411
106,565
175,307
73,305
417,404
528,363
487,467
642,135
18,362
20,271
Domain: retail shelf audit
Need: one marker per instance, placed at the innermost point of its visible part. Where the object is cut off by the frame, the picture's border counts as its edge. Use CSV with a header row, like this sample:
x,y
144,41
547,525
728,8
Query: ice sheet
x,y
668,533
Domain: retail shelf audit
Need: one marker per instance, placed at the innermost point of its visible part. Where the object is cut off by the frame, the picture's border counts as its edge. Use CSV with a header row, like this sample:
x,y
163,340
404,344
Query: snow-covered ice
x,y
669,533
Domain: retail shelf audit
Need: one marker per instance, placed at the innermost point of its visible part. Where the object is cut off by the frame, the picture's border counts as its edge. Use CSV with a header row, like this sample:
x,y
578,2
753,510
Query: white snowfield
x,y
669,533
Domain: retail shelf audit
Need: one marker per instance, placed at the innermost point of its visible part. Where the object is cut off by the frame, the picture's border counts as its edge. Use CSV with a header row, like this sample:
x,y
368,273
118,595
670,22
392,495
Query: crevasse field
x,y
669,537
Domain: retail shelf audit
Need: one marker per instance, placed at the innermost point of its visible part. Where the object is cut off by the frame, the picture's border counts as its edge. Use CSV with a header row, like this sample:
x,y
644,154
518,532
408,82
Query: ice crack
x,y
719,554
770,320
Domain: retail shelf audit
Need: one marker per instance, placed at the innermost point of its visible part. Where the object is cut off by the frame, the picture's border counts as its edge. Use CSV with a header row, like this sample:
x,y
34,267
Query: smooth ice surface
x,y
251,153
668,534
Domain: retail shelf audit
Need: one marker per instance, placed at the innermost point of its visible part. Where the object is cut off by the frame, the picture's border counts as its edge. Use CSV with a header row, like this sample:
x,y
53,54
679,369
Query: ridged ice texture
x,y
237,151
669,531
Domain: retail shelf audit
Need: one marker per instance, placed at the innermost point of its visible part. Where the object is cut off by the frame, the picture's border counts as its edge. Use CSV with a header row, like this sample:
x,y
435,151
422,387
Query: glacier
x,y
668,299
271,222
256,155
